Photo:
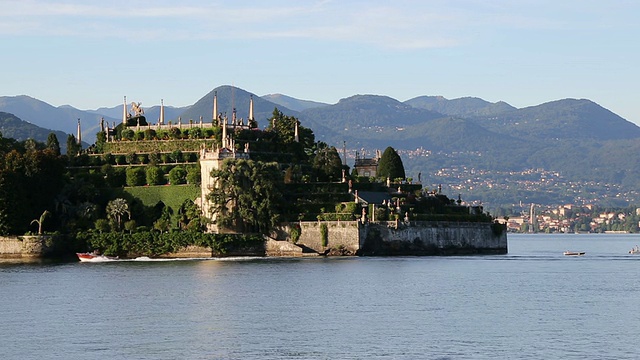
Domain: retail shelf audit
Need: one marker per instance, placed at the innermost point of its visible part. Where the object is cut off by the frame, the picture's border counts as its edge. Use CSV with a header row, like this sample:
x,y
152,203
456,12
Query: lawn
x,y
171,195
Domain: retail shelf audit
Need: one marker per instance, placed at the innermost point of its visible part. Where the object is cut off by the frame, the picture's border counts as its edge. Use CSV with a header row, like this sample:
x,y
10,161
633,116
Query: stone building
x,y
211,159
367,166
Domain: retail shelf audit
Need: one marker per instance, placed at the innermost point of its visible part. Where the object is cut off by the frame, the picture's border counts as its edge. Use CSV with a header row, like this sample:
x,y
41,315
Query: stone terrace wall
x,y
400,238
341,235
10,246
433,238
24,246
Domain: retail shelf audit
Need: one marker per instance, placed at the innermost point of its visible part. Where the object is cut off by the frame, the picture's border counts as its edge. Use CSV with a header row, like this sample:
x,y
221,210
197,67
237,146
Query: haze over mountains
x,y
458,141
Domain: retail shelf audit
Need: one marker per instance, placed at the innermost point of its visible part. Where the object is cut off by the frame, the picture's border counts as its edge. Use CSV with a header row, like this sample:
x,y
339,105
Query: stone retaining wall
x,y
433,238
393,238
342,236
12,247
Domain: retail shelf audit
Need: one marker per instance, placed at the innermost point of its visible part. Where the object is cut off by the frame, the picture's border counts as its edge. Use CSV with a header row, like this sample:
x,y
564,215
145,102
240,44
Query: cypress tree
x,y
53,144
390,165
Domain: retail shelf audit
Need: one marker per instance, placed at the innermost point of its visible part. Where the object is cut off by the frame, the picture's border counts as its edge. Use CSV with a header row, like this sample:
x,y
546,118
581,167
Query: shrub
x,y
195,133
381,214
155,176
102,225
107,158
120,160
149,134
135,176
193,175
138,135
351,208
130,226
162,134
324,234
95,161
192,157
175,133
127,134
142,159
295,233
154,157
176,156
177,175
116,177
131,158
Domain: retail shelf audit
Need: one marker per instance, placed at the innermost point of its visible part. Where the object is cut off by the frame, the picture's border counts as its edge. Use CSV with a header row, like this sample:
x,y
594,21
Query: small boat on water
x,y
634,250
93,257
574,253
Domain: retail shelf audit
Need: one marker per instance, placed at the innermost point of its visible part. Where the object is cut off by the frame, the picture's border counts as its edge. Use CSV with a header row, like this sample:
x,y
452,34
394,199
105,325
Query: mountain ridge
x,y
291,102
576,138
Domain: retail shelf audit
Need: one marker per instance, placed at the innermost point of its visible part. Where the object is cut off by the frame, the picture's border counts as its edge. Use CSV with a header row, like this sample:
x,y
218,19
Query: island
x,y
224,187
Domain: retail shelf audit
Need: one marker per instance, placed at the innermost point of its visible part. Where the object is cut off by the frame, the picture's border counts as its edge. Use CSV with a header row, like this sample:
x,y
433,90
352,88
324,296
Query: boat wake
x,y
104,259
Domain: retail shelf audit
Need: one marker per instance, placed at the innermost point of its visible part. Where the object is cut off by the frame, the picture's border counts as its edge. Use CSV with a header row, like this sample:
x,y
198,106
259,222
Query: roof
x,y
373,197
366,162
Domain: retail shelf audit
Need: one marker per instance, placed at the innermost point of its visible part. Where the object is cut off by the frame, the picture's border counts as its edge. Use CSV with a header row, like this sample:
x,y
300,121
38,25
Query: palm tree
x,y
42,217
116,209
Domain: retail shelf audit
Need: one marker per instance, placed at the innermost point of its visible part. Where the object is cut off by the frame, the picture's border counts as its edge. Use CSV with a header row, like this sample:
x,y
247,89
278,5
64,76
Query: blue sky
x,y
89,54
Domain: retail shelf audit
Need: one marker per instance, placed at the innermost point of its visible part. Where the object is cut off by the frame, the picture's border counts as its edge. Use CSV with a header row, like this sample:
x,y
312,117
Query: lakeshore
x,y
343,238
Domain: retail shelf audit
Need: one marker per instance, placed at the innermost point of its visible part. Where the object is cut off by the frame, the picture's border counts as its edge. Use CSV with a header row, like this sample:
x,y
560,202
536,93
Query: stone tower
x,y
211,160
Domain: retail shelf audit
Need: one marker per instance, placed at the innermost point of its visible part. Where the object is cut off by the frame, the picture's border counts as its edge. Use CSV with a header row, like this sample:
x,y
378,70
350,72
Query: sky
x,y
89,54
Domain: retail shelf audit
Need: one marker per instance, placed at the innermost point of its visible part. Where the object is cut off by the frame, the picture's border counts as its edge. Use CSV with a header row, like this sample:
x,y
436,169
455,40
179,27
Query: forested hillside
x,y
15,128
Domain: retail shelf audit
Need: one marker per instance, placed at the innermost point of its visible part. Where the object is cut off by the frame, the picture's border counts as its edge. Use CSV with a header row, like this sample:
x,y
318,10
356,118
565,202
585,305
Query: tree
x,y
30,179
73,148
131,157
193,174
154,157
53,144
327,164
40,221
176,156
390,165
130,226
284,128
177,175
155,176
101,139
102,225
163,224
189,216
116,209
135,176
247,196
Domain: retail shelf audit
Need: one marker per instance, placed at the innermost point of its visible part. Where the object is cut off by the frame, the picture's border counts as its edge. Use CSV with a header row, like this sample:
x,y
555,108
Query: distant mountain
x,y
368,111
461,140
563,119
13,127
292,103
229,98
63,118
464,107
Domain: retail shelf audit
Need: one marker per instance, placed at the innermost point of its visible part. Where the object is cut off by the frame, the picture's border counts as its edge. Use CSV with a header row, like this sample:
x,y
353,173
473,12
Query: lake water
x,y
533,303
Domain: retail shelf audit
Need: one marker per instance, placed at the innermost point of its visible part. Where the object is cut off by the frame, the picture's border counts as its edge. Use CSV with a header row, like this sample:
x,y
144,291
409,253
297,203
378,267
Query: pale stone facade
x,y
211,160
